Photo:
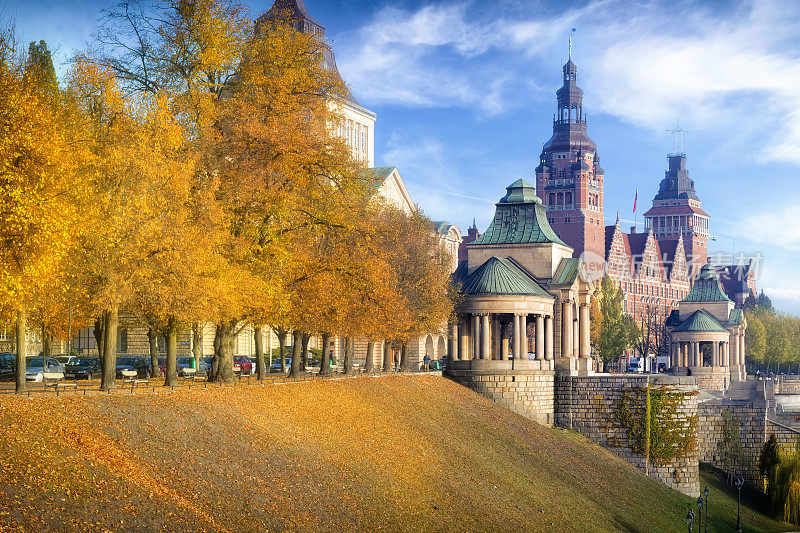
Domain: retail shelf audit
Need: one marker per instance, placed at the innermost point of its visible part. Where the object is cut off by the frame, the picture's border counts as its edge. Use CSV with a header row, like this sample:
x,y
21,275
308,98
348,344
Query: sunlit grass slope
x,y
392,453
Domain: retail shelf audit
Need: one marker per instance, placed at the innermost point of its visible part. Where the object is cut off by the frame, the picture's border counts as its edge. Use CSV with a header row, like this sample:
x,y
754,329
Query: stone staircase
x,y
745,390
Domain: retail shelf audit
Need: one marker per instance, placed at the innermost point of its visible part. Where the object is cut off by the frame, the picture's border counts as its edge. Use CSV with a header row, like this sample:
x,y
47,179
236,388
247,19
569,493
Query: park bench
x,y
132,377
56,381
192,375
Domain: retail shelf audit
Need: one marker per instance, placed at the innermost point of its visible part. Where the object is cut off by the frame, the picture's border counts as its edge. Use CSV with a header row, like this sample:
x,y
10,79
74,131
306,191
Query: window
x,y
568,198
122,340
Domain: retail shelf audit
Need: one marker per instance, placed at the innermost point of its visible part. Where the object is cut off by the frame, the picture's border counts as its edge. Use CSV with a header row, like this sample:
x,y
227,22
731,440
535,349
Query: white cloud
x,y
787,300
723,69
777,227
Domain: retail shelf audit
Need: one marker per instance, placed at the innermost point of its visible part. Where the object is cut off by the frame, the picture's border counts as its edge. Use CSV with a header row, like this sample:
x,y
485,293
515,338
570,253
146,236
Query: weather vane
x,y
570,42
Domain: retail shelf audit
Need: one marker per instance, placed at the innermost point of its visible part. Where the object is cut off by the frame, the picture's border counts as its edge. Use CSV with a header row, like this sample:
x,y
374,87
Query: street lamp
x,y
699,513
690,519
739,483
705,493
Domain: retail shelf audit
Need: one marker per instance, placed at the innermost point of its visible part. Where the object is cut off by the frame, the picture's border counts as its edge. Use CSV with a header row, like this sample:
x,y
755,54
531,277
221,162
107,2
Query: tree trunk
x,y
99,325
348,355
304,360
109,379
281,334
297,346
152,341
222,364
404,358
325,364
197,344
258,334
47,343
22,350
387,356
369,365
171,361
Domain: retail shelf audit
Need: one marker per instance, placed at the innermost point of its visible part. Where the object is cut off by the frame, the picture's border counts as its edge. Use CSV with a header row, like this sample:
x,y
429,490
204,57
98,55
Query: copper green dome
x,y
707,287
520,218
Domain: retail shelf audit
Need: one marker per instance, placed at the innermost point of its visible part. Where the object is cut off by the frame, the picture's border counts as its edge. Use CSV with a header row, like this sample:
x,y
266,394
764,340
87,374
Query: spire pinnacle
x,y
570,43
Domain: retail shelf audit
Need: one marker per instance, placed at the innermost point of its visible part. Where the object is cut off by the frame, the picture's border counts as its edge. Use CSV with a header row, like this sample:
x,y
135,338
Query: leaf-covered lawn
x,y
396,453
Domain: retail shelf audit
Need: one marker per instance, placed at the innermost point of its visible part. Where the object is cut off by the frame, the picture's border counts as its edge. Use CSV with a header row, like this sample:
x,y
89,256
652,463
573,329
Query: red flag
x,y
635,199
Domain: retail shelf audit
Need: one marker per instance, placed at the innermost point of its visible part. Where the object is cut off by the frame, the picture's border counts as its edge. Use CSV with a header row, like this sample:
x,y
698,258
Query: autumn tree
x,y
616,331
40,191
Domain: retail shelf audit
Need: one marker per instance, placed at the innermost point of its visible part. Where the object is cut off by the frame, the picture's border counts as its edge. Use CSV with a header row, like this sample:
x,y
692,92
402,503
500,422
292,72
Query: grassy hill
x,y
392,453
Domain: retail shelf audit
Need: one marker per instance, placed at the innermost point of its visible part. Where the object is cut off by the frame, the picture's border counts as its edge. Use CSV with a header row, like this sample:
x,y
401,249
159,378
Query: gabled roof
x,y
499,276
379,174
520,218
701,321
685,209
567,271
707,287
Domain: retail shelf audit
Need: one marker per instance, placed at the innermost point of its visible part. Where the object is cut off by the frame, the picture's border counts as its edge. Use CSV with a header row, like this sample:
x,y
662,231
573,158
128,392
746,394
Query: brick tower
x,y
677,212
569,179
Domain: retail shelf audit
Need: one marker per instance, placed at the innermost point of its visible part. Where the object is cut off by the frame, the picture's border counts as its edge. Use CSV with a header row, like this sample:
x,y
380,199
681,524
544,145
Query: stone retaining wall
x,y
588,405
787,385
751,419
529,393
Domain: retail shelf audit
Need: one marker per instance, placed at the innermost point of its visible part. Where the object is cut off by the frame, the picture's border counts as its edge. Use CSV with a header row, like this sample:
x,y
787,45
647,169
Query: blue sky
x,y
465,94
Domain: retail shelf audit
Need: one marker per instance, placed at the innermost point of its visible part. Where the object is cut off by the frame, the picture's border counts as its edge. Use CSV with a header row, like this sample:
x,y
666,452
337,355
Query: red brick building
x,y
569,179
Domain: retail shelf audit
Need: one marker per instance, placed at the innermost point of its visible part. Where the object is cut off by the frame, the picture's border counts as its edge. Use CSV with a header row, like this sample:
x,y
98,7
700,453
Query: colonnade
x,y
737,349
492,336
688,353
505,335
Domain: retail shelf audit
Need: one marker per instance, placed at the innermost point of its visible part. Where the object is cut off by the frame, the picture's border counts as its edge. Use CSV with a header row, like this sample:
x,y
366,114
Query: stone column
x,y
734,346
697,359
539,337
452,342
497,348
463,341
585,334
566,329
516,338
576,336
673,363
715,353
476,337
523,337
504,349
548,338
486,348
742,360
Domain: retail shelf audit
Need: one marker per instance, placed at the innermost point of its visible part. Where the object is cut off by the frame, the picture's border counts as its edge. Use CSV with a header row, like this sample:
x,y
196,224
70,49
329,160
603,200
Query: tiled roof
x,y
707,287
736,317
701,321
442,228
502,277
378,174
520,218
567,271
674,210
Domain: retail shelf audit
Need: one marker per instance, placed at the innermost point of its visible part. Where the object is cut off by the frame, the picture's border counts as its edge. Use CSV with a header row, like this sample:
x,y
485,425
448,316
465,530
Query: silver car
x,y
35,372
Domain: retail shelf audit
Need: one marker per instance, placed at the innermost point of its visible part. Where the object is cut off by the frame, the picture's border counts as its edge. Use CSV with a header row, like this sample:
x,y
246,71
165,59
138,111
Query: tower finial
x,y
570,42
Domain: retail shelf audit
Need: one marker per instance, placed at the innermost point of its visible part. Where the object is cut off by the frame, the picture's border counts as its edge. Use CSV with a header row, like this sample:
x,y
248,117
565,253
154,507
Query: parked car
x,y
276,365
8,366
83,368
140,364
34,370
188,362
242,364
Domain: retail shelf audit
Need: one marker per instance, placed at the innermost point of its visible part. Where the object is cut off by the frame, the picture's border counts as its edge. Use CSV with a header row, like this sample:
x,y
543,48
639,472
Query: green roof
x,y
502,277
442,228
567,271
736,317
520,218
379,174
707,287
701,321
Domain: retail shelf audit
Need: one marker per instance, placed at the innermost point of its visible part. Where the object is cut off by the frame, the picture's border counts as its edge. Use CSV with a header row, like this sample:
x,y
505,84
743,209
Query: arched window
x,y
560,198
552,198
568,198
